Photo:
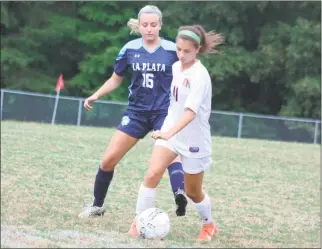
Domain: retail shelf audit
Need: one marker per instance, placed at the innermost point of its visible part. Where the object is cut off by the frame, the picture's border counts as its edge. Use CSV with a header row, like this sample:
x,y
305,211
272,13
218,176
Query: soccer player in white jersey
x,y
186,130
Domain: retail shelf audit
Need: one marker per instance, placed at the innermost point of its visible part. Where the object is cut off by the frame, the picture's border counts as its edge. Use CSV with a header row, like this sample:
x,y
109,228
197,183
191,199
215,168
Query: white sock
x,y
204,209
145,199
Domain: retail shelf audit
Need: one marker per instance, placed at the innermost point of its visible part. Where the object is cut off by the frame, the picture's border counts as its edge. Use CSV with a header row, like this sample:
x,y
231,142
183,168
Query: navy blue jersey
x,y
151,75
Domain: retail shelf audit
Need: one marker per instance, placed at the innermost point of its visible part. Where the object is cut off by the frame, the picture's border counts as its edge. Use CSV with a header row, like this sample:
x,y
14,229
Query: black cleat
x,y
181,202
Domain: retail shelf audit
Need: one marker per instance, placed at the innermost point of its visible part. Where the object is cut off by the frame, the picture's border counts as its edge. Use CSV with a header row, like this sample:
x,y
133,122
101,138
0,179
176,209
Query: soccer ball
x,y
153,223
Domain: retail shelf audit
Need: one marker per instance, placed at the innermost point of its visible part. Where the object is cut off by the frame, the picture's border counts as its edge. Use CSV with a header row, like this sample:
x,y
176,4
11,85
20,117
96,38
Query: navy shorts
x,y
138,125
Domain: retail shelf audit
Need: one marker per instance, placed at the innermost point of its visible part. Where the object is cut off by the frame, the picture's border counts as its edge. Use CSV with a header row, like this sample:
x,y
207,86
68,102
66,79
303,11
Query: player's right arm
x,y
110,85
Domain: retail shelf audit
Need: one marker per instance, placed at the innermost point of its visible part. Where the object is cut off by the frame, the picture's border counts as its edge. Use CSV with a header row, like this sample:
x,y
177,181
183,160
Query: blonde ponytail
x,y
133,24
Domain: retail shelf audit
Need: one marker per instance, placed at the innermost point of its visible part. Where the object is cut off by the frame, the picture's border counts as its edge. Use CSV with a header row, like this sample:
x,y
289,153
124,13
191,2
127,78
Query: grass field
x,y
264,194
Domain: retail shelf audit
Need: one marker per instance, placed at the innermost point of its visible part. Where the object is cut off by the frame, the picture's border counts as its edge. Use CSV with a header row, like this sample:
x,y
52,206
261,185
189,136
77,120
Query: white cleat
x,y
91,212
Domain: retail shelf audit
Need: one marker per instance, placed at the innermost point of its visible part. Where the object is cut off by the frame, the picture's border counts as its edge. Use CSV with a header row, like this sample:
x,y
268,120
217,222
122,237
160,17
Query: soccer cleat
x,y
133,232
181,202
91,212
207,232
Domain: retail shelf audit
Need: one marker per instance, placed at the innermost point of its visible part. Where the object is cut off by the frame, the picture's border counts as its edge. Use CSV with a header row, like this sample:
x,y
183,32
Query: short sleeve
x,y
120,66
196,95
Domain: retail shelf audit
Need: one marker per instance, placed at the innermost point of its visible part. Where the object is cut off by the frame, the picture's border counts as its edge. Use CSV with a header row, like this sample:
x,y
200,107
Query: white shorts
x,y
189,165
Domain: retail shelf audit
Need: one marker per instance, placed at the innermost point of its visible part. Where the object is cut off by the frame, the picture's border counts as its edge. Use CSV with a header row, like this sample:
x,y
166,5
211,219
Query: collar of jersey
x,y
190,68
151,52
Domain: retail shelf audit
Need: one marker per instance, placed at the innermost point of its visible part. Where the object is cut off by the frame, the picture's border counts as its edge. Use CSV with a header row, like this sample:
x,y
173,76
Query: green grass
x,y
264,194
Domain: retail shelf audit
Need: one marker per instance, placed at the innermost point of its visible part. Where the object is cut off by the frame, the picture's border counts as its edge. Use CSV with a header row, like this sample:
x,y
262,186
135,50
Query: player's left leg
x,y
193,177
175,172
176,176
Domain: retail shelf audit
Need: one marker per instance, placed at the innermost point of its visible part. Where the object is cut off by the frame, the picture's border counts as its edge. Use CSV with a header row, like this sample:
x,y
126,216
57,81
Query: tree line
x,y
270,62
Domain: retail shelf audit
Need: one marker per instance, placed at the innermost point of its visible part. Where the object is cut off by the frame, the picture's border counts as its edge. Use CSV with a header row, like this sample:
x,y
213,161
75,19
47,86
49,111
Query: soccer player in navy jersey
x,y
150,59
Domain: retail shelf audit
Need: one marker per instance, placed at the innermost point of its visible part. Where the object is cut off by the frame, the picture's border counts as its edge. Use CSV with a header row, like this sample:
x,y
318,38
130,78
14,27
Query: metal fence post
x,y
1,103
79,116
316,132
240,125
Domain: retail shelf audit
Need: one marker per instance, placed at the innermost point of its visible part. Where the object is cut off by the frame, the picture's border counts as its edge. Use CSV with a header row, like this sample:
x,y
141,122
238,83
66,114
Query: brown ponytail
x,y
209,41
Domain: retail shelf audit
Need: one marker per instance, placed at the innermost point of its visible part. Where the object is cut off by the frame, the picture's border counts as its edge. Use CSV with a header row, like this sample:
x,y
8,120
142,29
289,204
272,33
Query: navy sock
x,y
176,175
102,182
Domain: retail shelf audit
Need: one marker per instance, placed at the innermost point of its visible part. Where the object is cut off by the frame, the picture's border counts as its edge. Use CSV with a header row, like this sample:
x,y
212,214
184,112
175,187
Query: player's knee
x,y
152,179
106,166
194,195
109,162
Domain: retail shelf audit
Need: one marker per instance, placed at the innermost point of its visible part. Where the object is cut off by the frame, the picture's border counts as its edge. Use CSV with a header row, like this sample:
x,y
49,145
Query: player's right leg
x,y
126,136
175,171
161,158
120,144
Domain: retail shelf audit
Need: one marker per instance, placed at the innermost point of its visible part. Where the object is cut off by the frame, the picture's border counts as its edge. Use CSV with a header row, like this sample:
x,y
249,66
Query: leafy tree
x,y
270,62
103,32
38,43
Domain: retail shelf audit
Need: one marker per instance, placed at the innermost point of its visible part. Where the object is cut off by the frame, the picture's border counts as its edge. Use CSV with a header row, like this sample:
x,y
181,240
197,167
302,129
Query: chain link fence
x,y
35,107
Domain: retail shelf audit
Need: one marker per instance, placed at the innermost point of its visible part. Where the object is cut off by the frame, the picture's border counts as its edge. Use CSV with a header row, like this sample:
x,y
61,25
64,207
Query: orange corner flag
x,y
60,83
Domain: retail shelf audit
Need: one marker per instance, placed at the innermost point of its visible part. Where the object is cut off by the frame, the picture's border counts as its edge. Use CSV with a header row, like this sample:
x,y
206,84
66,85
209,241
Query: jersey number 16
x,y
147,80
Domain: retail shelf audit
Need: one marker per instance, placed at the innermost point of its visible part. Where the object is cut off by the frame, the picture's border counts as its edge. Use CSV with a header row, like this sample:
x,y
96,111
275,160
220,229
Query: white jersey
x,y
190,89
